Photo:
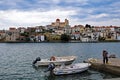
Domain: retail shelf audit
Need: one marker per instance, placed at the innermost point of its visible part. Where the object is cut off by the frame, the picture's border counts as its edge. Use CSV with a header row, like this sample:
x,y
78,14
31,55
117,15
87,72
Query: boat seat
x,y
52,58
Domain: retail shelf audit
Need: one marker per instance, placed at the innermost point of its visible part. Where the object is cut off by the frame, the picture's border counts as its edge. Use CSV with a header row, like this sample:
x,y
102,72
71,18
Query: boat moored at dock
x,y
54,59
67,69
71,69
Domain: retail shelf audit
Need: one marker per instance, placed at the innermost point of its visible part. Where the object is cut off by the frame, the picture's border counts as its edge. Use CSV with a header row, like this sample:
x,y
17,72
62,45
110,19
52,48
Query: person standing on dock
x,y
105,57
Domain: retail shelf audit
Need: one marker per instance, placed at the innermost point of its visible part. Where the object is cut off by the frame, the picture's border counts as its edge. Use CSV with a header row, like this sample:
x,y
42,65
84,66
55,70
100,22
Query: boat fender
x,y
37,59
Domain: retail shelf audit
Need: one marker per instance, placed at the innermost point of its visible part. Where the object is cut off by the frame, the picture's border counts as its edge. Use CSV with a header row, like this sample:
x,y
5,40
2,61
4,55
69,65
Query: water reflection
x,y
49,77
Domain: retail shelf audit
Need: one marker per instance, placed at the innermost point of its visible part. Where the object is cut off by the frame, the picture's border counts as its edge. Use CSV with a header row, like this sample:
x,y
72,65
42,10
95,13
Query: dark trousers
x,y
105,60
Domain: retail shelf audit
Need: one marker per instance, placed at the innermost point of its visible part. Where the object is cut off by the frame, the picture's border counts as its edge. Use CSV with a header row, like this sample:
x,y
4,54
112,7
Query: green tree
x,y
26,34
65,37
27,39
87,26
101,38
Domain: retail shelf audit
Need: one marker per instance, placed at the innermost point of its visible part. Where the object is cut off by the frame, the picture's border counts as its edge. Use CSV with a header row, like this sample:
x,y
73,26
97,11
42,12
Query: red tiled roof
x,y
12,28
57,19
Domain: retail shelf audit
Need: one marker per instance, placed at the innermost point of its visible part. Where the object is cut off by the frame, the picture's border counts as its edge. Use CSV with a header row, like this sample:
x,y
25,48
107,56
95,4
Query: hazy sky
x,y
18,13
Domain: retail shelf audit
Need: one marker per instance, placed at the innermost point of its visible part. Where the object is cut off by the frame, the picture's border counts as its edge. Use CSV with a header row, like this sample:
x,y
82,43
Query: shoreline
x,y
114,41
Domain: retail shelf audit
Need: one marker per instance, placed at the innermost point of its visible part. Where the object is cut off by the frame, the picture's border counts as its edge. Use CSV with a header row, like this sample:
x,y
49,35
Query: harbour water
x,y
16,59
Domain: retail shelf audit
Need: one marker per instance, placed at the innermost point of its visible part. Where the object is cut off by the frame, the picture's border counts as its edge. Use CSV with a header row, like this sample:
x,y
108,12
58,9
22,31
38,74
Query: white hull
x,y
58,61
71,69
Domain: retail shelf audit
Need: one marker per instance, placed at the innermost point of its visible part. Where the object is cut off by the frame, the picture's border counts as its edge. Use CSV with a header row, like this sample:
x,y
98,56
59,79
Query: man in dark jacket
x,y
105,56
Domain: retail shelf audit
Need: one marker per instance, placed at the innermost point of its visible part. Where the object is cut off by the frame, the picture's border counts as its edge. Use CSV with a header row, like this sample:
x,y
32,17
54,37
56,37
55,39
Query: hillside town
x,y
55,31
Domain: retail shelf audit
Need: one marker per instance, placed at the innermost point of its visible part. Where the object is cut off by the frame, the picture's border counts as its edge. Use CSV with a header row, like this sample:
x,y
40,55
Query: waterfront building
x,y
117,32
75,32
82,28
84,39
117,29
50,27
118,36
110,33
2,35
22,29
12,34
31,33
75,29
67,30
107,32
40,29
39,38
31,30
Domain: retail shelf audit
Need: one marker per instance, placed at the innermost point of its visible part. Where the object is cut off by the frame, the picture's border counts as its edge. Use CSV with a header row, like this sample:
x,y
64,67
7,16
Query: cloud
x,y
98,16
56,1
43,12
77,1
113,22
30,18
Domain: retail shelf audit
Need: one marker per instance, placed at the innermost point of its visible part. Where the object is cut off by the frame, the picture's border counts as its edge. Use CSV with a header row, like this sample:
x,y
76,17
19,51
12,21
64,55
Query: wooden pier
x,y
112,67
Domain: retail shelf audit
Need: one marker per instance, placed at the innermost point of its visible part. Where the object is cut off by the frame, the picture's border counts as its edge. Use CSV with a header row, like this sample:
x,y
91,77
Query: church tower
x,y
66,22
57,22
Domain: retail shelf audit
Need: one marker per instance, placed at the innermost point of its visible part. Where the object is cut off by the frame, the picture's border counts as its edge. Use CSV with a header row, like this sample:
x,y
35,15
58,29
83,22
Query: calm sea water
x,y
16,59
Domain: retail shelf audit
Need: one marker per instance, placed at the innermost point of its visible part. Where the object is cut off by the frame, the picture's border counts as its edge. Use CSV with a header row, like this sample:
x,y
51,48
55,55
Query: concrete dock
x,y
112,67
113,79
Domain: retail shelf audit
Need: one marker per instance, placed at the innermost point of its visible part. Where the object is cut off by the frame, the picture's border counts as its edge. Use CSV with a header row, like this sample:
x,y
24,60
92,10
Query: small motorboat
x,y
54,59
68,69
71,69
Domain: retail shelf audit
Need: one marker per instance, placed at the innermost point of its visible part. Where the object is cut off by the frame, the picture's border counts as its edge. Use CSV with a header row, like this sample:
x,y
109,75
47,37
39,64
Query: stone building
x,y
2,35
12,35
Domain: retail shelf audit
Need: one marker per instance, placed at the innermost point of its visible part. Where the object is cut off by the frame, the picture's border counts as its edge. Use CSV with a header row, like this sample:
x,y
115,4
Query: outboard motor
x,y
37,59
50,68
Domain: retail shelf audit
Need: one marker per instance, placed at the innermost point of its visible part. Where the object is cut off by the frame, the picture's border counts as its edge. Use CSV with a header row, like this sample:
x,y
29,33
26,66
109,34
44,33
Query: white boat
x,y
54,59
71,69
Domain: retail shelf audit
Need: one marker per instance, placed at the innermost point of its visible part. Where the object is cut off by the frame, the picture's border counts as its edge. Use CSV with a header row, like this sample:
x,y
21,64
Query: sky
x,y
28,13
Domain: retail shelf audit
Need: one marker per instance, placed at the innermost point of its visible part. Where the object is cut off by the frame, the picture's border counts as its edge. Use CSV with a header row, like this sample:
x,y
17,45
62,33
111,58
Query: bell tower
x,y
57,23
66,22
